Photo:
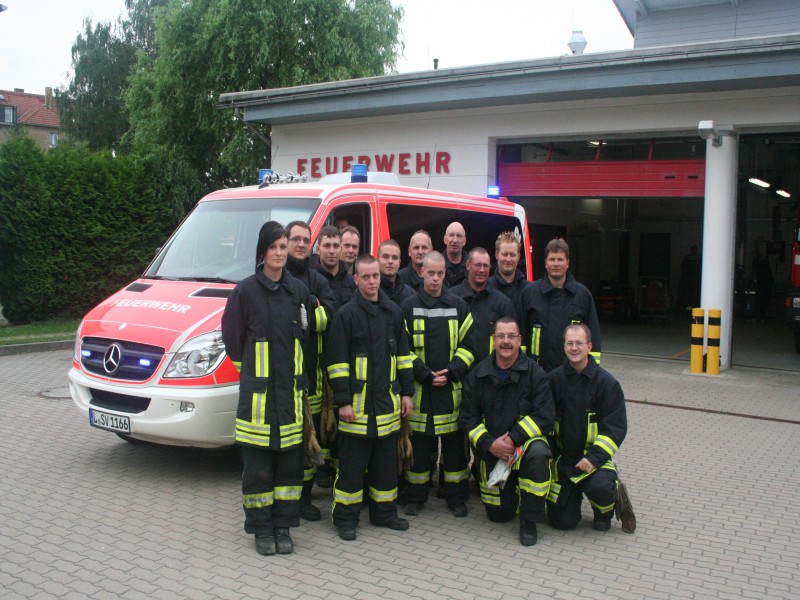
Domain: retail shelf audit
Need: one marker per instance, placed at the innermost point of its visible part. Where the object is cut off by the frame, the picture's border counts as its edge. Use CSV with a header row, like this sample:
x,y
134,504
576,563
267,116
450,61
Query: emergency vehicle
x,y
149,363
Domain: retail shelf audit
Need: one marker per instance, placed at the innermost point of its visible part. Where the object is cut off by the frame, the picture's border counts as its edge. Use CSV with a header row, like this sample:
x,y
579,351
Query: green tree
x,y
208,47
91,108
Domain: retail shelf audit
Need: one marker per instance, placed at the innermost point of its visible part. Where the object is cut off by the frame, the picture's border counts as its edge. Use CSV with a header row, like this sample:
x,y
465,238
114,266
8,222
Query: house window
x,y
53,138
7,114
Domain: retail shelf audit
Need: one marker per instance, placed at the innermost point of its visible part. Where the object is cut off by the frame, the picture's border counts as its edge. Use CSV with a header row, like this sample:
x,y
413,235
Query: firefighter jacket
x,y
262,328
342,285
514,292
369,365
548,310
455,272
521,404
591,420
441,337
485,306
397,291
318,319
410,277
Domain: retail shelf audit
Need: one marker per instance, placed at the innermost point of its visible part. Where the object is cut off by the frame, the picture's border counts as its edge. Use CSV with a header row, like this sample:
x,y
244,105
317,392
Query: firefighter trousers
x,y
455,463
271,484
564,510
377,458
525,490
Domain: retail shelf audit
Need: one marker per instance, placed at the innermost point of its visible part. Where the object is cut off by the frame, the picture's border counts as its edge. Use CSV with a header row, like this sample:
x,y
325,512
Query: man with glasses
x,y
323,305
485,304
553,302
455,238
507,410
591,424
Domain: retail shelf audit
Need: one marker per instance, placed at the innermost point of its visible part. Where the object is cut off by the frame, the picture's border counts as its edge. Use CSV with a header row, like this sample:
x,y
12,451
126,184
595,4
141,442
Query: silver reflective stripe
x,y
435,312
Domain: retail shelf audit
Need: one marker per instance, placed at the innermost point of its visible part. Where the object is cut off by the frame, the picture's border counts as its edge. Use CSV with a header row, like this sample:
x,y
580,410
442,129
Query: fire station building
x,y
690,138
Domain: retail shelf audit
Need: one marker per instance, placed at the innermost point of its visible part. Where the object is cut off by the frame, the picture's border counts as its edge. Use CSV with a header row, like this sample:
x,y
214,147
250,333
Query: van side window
x,y
482,228
358,216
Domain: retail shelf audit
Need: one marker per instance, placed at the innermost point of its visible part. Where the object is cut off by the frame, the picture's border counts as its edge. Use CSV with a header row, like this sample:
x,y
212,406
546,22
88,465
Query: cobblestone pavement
x,y
84,514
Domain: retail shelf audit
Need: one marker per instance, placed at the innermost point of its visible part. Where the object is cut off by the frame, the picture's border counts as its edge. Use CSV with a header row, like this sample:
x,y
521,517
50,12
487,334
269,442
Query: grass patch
x,y
42,331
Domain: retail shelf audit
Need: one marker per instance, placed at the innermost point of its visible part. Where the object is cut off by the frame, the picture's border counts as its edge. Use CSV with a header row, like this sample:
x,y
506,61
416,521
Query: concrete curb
x,y
35,347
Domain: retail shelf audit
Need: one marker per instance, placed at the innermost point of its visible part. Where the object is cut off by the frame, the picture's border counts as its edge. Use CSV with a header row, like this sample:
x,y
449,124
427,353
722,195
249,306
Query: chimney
x,y
435,63
19,90
48,98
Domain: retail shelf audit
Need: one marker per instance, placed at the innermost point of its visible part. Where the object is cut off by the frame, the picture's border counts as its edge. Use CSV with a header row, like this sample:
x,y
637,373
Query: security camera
x,y
707,130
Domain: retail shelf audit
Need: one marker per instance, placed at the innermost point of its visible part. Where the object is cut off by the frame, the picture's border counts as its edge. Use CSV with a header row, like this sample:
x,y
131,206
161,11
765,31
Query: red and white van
x,y
149,363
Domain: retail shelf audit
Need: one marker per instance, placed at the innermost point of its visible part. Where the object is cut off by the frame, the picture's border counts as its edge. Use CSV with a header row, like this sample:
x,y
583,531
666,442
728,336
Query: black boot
x,y
283,541
308,511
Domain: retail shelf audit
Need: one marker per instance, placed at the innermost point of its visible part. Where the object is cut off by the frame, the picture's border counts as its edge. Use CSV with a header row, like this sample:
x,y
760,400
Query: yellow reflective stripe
x,y
553,492
452,325
456,476
530,427
315,404
340,497
359,401
258,500
382,495
418,478
607,444
361,367
320,318
353,428
466,356
392,367
476,434
288,492
298,357
490,495
338,370
308,474
596,356
491,344
238,365
536,335
537,488
252,439
462,331
591,429
602,508
405,362
262,359
258,408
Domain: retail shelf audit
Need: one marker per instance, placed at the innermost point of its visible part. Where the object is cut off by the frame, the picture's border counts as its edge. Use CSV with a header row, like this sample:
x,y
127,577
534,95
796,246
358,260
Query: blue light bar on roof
x,y
262,174
493,191
359,174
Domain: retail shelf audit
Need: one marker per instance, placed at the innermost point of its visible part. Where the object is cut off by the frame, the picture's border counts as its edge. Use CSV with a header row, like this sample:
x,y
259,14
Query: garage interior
x,y
632,209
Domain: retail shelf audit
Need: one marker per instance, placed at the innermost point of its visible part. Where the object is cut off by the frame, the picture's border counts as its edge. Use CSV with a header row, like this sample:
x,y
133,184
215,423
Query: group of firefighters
x,y
416,362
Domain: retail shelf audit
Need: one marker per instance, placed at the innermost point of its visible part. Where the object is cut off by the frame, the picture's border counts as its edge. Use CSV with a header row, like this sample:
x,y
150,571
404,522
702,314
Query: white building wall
x,y
470,136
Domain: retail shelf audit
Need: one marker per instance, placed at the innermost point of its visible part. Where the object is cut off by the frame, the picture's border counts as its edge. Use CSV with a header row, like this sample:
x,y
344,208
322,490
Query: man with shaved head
x,y
455,238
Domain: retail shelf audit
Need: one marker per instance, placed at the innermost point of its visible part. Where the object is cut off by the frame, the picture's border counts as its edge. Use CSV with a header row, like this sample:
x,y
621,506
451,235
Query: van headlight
x,y
76,350
197,357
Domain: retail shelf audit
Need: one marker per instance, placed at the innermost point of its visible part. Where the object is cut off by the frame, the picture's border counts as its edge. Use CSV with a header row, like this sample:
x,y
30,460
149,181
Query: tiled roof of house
x,y
31,108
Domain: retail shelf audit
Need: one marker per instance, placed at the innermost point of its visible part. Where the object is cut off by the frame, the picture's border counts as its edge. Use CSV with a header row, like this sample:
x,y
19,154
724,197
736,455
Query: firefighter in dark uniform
x,y
591,424
508,279
336,272
508,408
552,303
389,263
485,305
455,238
442,339
333,268
263,331
418,249
322,307
370,371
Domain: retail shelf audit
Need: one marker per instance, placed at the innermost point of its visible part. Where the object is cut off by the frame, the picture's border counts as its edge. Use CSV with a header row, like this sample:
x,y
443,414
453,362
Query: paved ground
x,y
86,515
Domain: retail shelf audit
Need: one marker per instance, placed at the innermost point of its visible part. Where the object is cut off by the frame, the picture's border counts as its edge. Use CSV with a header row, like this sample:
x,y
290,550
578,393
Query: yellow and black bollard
x,y
714,327
696,356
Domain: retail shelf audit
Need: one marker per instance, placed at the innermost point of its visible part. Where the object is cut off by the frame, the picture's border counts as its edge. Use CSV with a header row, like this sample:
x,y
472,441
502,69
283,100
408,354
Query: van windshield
x,y
217,241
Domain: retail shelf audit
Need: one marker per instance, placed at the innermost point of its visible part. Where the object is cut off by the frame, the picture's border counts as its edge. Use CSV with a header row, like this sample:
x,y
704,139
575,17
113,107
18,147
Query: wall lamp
x,y
709,131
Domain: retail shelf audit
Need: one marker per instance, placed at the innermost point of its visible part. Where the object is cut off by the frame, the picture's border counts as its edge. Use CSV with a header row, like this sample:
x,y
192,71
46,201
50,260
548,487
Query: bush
x,y
76,225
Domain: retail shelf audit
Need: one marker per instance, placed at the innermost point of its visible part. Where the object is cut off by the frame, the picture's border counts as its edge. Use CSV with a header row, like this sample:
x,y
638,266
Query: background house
x,y
35,113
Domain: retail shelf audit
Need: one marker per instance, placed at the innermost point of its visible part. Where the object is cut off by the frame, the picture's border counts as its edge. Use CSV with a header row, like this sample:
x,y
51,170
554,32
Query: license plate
x,y
108,421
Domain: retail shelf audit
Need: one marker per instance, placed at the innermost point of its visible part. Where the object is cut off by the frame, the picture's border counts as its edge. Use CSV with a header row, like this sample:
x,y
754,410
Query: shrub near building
x,y
74,227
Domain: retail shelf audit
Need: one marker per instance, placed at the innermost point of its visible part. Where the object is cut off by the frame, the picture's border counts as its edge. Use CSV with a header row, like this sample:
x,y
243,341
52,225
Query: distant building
x,y
35,113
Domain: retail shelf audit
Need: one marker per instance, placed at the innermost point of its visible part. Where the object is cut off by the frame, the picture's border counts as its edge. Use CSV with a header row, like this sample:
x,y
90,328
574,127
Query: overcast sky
x,y
36,35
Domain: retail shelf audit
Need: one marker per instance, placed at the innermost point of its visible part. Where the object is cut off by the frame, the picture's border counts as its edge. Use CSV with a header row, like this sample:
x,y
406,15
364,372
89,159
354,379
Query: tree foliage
x,y
208,47
75,226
